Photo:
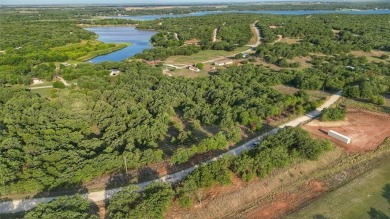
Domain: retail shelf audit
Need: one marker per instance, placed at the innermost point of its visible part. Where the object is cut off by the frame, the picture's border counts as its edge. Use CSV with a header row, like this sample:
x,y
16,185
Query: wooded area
x,y
105,124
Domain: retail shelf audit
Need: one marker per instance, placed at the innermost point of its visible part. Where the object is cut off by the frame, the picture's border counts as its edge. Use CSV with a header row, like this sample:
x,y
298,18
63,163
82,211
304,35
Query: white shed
x,y
339,136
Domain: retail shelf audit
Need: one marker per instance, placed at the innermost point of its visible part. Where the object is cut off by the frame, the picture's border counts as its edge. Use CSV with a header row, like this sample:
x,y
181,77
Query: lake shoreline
x,y
260,12
117,47
139,40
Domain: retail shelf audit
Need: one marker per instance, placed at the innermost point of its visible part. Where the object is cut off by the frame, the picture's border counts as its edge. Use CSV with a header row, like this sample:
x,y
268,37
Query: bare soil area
x,y
367,130
284,203
272,194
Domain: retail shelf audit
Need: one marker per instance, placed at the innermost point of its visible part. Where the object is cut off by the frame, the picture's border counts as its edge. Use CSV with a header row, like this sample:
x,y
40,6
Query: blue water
x,y
139,39
297,12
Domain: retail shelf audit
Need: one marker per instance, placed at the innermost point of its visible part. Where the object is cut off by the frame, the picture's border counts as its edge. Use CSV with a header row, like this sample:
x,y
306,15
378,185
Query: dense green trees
x,y
25,53
327,34
174,32
65,208
333,114
273,152
86,131
153,202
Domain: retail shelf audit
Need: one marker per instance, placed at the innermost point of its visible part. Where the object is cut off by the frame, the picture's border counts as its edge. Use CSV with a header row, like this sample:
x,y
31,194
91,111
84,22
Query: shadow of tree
x,y
12,216
68,189
386,192
14,208
376,214
147,174
118,180
320,216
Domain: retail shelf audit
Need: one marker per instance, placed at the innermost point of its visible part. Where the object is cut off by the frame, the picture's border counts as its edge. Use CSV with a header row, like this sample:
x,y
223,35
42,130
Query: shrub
x,y
58,84
199,65
333,114
378,100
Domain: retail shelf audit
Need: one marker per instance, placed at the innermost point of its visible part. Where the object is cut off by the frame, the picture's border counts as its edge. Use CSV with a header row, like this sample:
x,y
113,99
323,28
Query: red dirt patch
x,y
367,130
284,203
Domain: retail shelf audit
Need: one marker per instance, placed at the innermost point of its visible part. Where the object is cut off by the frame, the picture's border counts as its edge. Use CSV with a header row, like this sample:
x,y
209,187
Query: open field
x,y
188,73
203,56
88,49
287,40
353,200
372,56
367,129
314,94
44,92
365,105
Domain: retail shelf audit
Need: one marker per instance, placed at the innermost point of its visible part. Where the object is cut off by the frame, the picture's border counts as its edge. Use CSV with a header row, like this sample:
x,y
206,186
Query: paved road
x,y
24,205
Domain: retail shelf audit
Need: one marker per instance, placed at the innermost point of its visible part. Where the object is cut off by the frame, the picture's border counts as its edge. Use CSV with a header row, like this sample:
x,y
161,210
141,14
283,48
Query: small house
x,y
193,68
37,81
114,72
65,64
223,63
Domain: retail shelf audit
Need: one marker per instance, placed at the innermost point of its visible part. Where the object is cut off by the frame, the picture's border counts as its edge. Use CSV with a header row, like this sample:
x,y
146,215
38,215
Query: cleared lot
x,y
367,129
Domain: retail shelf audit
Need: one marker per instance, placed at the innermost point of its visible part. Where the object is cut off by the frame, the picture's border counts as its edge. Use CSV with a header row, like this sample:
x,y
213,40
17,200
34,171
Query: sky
x,y
39,2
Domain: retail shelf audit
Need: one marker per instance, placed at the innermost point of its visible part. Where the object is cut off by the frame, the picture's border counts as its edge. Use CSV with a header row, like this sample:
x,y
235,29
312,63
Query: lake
x,y
295,12
139,39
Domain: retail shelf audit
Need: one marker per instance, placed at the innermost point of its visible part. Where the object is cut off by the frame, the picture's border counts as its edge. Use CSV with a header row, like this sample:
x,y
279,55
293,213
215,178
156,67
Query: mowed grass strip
x,y
354,200
203,56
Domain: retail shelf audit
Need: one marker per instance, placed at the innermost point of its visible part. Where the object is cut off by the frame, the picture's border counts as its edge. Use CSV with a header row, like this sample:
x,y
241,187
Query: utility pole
x,y
124,158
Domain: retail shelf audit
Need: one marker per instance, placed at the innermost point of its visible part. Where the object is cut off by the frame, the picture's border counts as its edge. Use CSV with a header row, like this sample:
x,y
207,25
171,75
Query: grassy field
x,y
88,49
203,56
372,56
366,105
93,54
361,198
189,74
44,92
314,94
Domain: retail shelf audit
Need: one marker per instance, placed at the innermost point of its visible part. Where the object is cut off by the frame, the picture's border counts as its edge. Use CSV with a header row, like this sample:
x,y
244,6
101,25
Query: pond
x,y
139,40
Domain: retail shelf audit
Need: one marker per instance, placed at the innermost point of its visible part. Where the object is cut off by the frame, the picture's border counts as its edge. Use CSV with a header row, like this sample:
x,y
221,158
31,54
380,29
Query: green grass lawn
x,y
358,199
88,49
366,105
93,54
203,56
44,92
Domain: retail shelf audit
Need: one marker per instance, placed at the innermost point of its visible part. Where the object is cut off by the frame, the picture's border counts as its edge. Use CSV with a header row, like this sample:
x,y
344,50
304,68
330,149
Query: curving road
x,y
27,204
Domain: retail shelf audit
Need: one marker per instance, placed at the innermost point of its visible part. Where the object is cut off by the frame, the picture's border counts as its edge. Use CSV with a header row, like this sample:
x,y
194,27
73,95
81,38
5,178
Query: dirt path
x,y
257,32
16,206
215,35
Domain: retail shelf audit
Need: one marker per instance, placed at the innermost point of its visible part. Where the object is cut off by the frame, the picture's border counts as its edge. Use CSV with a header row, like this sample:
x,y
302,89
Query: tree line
x,y
275,151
